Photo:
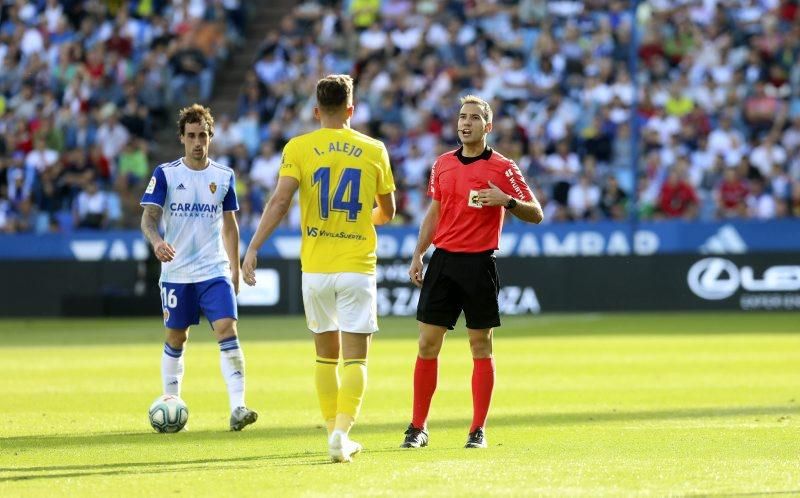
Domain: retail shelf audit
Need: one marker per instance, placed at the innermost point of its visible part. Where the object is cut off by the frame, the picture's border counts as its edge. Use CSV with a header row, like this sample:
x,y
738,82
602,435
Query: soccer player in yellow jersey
x,y
341,174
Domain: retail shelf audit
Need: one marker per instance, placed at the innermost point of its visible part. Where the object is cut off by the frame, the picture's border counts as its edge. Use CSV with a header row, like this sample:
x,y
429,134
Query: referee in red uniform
x,y
471,189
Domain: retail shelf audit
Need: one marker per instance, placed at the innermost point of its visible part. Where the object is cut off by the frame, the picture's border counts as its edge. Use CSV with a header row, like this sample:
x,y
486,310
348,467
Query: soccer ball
x,y
168,413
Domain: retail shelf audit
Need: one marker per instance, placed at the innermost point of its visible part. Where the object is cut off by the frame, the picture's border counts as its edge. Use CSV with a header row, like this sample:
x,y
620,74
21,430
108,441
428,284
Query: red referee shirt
x,y
464,224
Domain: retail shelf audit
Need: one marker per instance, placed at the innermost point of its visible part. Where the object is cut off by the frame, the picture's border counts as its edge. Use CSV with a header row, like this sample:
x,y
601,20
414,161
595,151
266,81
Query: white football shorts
x,y
347,302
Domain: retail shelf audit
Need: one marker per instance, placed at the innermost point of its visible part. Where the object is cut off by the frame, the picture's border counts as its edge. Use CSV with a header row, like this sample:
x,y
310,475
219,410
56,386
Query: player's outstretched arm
x,y
385,210
151,217
426,231
276,209
230,239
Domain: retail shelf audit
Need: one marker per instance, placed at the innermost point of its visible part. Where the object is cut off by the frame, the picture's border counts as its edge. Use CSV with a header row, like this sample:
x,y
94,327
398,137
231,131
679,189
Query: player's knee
x,y
177,339
428,347
481,346
223,329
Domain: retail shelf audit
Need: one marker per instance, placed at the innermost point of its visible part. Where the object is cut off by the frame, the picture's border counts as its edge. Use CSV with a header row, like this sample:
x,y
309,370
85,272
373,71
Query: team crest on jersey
x,y
212,187
166,315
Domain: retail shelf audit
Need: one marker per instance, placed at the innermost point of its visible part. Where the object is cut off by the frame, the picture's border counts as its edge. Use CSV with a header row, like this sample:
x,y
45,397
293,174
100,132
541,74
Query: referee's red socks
x,y
426,373
482,386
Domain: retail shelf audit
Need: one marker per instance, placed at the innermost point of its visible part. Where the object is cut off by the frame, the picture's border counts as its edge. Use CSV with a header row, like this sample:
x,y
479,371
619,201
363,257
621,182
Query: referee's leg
x,y
426,371
480,342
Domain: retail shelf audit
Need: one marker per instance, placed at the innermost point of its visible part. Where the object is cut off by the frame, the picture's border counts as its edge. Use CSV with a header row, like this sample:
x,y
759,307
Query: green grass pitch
x,y
585,405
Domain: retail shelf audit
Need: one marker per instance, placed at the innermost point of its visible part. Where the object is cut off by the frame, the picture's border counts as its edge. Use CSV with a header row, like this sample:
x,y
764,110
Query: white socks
x,y
231,360
172,370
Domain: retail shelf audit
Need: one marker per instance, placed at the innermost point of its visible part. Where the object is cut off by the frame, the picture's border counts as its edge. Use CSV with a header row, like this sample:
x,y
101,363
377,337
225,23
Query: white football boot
x,y
341,448
242,417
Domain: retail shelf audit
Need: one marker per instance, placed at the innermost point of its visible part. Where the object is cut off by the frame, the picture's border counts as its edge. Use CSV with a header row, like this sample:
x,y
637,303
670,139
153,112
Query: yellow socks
x,y
351,393
340,402
326,378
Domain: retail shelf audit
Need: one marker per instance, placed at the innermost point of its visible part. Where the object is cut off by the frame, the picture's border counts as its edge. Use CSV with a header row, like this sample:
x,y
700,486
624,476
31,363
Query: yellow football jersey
x,y
340,171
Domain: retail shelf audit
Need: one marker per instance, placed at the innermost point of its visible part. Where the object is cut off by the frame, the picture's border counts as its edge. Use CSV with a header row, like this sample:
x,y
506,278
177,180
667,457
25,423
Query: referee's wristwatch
x,y
511,204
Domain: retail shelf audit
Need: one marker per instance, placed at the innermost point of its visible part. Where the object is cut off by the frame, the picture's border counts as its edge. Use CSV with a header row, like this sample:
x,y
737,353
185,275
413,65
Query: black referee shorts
x,y
460,281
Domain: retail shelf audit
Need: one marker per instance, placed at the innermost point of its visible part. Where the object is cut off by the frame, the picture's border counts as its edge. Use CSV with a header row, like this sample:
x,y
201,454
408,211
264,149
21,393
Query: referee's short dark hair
x,y
486,109
334,92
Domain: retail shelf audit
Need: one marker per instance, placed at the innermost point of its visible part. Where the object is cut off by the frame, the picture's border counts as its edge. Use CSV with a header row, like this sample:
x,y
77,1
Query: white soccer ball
x,y
168,413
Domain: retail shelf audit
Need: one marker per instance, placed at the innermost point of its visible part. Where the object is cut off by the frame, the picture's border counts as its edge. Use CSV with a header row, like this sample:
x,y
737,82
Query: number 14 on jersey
x,y
345,196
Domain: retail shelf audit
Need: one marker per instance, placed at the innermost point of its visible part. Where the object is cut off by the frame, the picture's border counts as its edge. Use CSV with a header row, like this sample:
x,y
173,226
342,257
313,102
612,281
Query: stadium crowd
x,y
715,99
83,86
717,91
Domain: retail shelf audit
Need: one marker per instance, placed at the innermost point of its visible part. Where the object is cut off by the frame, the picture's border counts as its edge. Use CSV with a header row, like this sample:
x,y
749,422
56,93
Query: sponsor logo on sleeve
x,y
151,187
514,184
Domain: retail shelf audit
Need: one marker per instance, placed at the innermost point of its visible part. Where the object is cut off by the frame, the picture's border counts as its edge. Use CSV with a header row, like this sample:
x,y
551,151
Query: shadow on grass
x,y
38,443
307,458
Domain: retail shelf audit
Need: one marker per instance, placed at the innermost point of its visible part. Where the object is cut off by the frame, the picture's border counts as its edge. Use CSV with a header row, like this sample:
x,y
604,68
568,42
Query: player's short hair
x,y
334,91
486,109
196,113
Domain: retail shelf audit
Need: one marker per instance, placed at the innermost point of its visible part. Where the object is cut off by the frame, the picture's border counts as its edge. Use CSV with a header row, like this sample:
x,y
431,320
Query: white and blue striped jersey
x,y
193,203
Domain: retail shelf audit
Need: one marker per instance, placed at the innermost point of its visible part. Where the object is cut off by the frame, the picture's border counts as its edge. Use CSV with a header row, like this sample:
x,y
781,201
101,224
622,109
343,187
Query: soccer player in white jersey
x,y
199,254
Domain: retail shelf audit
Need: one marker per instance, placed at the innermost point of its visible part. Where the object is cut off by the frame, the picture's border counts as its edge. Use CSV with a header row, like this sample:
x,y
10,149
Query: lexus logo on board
x,y
719,278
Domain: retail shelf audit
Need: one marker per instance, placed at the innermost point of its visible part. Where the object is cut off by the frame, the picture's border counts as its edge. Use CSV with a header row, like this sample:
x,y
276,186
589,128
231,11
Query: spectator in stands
x,y
112,137
41,158
99,163
731,195
189,67
767,154
583,199
677,198
21,182
80,133
75,171
24,103
613,200
563,168
226,136
25,216
794,200
90,207
364,13
760,203
6,224
133,168
264,172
